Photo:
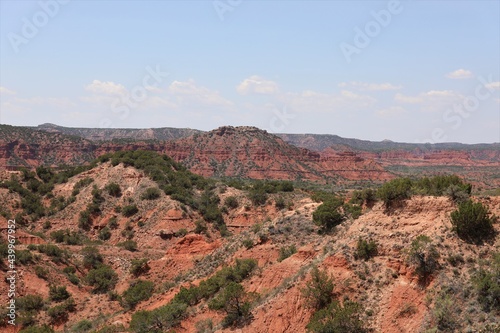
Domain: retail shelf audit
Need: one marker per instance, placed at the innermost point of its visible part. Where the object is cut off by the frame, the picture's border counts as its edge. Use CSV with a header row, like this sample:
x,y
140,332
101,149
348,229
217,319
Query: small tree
x,y
423,256
91,257
327,215
114,190
395,191
231,202
365,249
319,291
472,222
102,279
338,318
137,292
234,301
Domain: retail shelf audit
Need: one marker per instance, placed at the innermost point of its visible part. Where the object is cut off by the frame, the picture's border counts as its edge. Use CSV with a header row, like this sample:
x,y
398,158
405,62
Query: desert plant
x,y
159,320
472,222
139,266
286,251
91,257
231,202
102,279
487,284
337,318
395,191
58,293
234,301
129,245
113,189
423,256
365,249
129,210
138,291
151,193
327,215
319,291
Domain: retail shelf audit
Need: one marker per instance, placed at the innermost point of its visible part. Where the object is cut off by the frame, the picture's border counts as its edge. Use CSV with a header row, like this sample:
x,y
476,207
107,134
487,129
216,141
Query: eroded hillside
x,y
136,236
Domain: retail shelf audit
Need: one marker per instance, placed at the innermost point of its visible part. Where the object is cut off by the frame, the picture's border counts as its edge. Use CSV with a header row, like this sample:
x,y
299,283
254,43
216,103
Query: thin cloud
x,y
365,86
5,91
257,85
460,74
106,88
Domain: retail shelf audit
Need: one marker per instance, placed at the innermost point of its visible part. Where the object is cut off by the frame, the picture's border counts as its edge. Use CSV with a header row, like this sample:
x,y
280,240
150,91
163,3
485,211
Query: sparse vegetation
x,y
231,202
473,222
286,251
129,210
487,284
338,318
114,190
423,256
151,193
319,291
138,291
365,249
327,215
103,279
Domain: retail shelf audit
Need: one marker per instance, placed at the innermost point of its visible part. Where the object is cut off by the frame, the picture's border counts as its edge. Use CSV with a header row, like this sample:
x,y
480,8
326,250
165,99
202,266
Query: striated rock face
x,y
252,153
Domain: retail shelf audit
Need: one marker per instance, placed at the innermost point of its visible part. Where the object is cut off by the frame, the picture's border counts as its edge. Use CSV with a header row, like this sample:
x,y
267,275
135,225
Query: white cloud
x,y
493,85
257,85
189,92
106,88
431,101
364,86
5,91
460,74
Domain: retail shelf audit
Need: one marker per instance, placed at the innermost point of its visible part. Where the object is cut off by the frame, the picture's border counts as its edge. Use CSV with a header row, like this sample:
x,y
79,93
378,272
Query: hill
x,y
134,242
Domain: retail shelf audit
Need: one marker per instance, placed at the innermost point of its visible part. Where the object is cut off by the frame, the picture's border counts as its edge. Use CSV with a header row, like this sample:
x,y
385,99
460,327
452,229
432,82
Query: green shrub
x,y
24,257
286,251
247,243
41,272
130,210
151,193
181,232
472,222
258,196
423,256
85,220
91,257
30,303
395,191
58,293
234,301
103,279
327,215
365,249
231,202
68,237
159,320
367,196
353,211
338,318
112,223
104,234
139,267
200,227
37,329
129,245
82,326
137,292
280,203
319,291
113,189
487,284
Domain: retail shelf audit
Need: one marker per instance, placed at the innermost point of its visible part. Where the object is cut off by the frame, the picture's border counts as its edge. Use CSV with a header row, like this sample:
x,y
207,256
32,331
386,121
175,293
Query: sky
x,y
409,71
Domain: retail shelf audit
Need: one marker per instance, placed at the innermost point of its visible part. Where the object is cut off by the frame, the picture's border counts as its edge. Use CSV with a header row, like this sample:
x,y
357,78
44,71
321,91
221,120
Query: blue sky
x,y
413,71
